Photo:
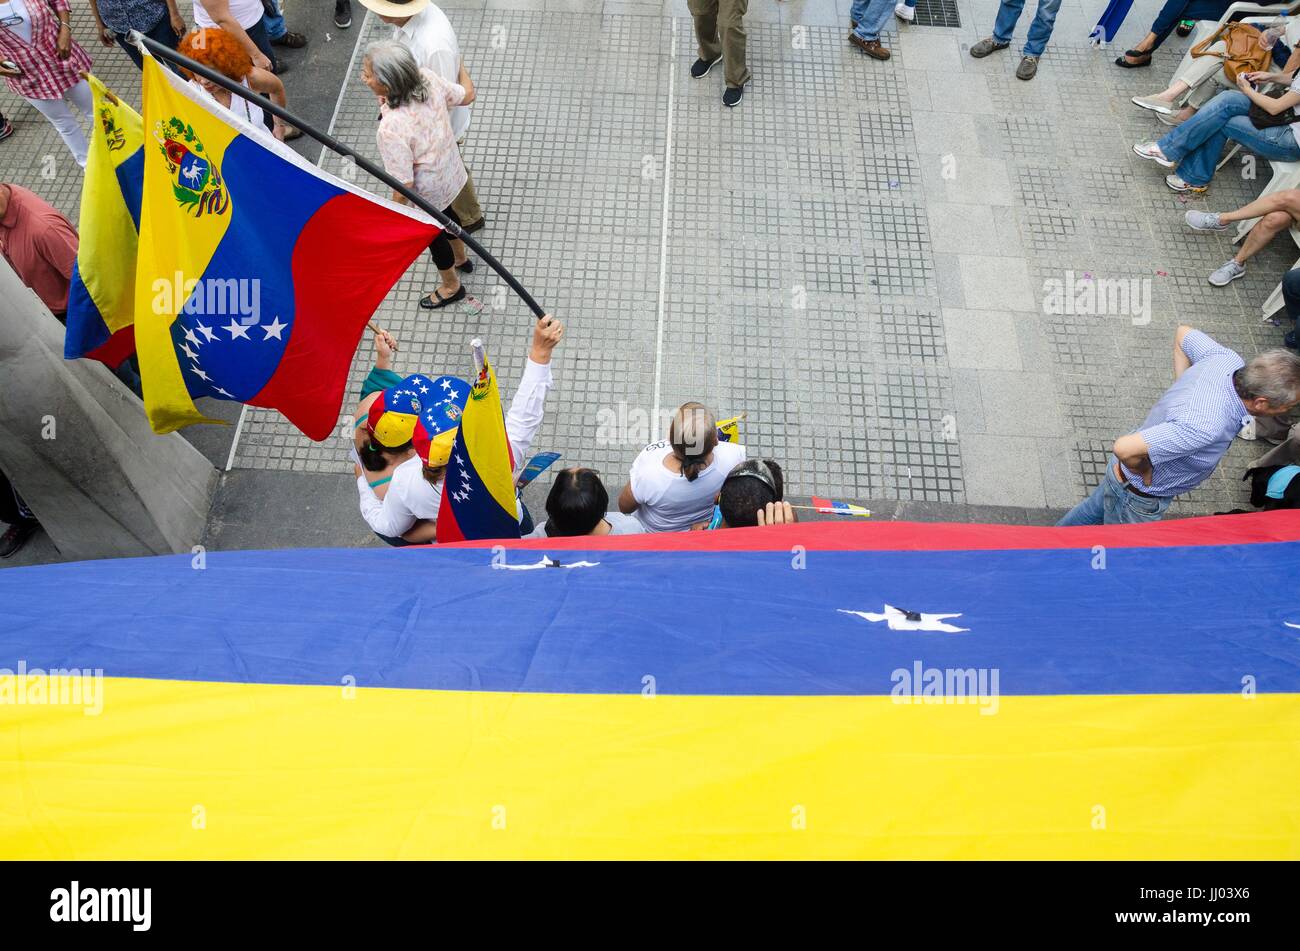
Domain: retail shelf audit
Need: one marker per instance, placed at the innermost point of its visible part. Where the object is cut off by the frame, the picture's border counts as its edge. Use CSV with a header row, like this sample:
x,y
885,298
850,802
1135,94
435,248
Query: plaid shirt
x,y
44,75
1194,423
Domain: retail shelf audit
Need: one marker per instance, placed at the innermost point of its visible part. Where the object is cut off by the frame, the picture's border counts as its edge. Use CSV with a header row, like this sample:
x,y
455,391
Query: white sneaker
x,y
1149,150
904,12
1178,184
1225,275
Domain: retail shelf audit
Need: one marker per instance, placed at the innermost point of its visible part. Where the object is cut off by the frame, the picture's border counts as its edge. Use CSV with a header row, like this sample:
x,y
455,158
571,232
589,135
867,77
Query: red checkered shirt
x,y
44,76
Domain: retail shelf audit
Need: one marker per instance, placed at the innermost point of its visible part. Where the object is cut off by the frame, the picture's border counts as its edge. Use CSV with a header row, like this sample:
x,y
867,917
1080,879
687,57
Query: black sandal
x,y
467,267
1121,62
427,301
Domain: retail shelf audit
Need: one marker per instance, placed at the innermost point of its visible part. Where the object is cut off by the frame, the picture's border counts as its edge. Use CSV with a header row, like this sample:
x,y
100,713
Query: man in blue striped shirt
x,y
1189,429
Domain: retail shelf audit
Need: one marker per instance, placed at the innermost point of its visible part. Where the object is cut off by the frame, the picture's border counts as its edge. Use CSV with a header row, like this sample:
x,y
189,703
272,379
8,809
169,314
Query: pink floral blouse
x,y
417,145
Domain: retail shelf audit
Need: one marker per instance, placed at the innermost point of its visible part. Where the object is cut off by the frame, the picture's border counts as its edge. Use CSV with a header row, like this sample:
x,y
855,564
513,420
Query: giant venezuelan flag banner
x,y
257,271
1110,692
101,300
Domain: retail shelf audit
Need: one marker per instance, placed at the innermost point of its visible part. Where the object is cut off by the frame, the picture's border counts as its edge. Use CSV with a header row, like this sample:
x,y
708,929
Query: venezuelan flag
x,y
1129,692
478,496
101,300
257,271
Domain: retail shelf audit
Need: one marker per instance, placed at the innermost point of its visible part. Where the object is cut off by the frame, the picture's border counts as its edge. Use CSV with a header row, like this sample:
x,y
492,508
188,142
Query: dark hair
x,y
747,489
693,435
376,458
577,503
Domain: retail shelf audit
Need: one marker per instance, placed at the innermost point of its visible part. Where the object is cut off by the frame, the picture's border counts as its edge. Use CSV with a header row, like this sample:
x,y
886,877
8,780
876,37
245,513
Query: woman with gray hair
x,y
418,147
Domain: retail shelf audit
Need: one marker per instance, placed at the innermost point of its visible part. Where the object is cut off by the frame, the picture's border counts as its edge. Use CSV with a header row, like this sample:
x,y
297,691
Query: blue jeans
x,y
275,27
1112,504
872,15
1197,143
1040,31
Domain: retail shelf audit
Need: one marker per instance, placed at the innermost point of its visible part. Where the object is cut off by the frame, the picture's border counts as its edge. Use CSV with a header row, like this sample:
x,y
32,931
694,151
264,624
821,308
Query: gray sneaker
x,y
1028,68
986,46
1227,274
1204,221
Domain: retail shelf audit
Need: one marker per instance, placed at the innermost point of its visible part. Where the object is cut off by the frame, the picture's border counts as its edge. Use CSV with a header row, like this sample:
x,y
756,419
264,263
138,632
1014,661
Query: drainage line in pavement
x,y
237,89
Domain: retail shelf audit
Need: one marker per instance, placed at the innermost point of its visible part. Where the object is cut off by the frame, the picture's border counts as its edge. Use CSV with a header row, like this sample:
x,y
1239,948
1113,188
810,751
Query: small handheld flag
x,y
835,507
536,466
729,429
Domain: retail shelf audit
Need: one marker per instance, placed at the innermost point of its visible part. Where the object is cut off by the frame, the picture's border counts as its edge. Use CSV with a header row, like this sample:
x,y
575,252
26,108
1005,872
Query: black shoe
x,y
290,40
17,535
434,301
474,226
732,96
1185,27
700,68
343,14
467,267
1290,340
280,66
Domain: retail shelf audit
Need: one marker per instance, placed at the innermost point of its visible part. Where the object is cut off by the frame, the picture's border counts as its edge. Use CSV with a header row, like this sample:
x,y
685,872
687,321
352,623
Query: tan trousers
x,y
720,31
466,204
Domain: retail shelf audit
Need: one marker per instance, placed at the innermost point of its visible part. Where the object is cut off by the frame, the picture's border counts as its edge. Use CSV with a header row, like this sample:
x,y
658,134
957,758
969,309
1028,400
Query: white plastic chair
x,y
1285,175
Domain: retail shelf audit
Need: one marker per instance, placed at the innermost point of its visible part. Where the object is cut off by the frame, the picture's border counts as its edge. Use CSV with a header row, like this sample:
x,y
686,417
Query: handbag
x,y
1261,118
1242,53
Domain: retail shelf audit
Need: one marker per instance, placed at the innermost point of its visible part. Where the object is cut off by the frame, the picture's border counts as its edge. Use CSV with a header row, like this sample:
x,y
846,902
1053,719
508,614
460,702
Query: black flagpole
x,y
453,229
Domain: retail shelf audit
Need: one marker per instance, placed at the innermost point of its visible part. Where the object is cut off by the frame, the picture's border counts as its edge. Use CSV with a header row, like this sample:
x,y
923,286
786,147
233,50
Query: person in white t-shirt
x,y
579,505
427,32
673,483
242,19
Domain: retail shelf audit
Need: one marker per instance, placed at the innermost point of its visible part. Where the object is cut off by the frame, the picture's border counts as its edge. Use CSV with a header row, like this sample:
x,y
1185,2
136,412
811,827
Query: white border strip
x,y
663,225
320,160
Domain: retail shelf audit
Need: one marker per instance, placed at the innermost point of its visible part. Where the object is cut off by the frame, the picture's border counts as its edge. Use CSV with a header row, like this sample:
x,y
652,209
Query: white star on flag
x,y
185,349
273,329
201,375
207,332
236,329
189,335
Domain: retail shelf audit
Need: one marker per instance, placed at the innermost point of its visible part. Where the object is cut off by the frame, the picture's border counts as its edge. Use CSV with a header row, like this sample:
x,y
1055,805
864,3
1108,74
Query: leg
x,y
466,205
1040,31
257,33
705,14
61,117
1127,508
1291,293
275,27
1087,512
731,27
1265,230
874,17
1005,23
446,253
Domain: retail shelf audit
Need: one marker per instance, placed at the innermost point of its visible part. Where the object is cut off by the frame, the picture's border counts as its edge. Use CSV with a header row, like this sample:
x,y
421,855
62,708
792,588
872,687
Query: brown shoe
x,y
871,47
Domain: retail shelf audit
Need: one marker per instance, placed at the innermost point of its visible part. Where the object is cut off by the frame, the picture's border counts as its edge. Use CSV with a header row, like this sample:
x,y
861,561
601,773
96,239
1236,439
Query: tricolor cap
x,y
440,420
394,414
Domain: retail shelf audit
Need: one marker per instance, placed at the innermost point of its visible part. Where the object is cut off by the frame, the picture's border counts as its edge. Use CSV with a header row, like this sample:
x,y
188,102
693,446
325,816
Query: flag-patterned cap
x,y
439,421
393,416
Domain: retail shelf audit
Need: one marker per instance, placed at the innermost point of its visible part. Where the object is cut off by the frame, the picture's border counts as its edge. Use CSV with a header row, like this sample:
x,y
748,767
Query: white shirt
x,y
433,43
667,501
248,111
245,12
410,497
619,524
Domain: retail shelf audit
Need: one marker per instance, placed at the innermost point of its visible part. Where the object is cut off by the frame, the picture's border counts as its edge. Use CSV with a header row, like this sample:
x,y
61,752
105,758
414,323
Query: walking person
x,y
1040,31
1188,431
427,32
867,18
36,37
720,32
160,20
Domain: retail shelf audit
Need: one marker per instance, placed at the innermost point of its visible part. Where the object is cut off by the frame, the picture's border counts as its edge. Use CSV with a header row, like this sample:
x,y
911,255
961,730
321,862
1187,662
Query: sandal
x,y
1123,63
428,300
466,267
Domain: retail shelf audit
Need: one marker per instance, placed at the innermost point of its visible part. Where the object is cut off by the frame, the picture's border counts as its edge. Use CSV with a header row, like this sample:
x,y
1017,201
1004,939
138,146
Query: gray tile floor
x,y
857,257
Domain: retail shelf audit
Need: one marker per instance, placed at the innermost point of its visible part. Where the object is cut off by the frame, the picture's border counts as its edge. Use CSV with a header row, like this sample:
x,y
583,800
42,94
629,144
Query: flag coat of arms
x,y
478,496
256,271
101,300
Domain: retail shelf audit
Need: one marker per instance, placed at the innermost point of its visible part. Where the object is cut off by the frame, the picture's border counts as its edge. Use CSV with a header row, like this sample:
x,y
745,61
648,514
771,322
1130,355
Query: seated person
x,y
673,483
1194,147
1276,212
579,505
414,493
1170,15
1197,78
753,494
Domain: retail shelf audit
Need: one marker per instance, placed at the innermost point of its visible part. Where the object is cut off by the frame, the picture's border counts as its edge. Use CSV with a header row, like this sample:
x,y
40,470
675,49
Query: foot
x,y
1134,59
1204,221
280,67
343,14
732,96
6,130
1151,151
16,536
1178,118
1176,183
871,47
700,68
903,12
441,297
465,267
474,226
1028,68
290,40
1155,104
1225,275
986,46
1185,27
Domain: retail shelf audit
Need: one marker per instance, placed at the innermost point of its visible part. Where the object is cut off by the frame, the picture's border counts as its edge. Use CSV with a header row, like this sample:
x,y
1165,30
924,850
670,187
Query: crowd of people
x,y
691,479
